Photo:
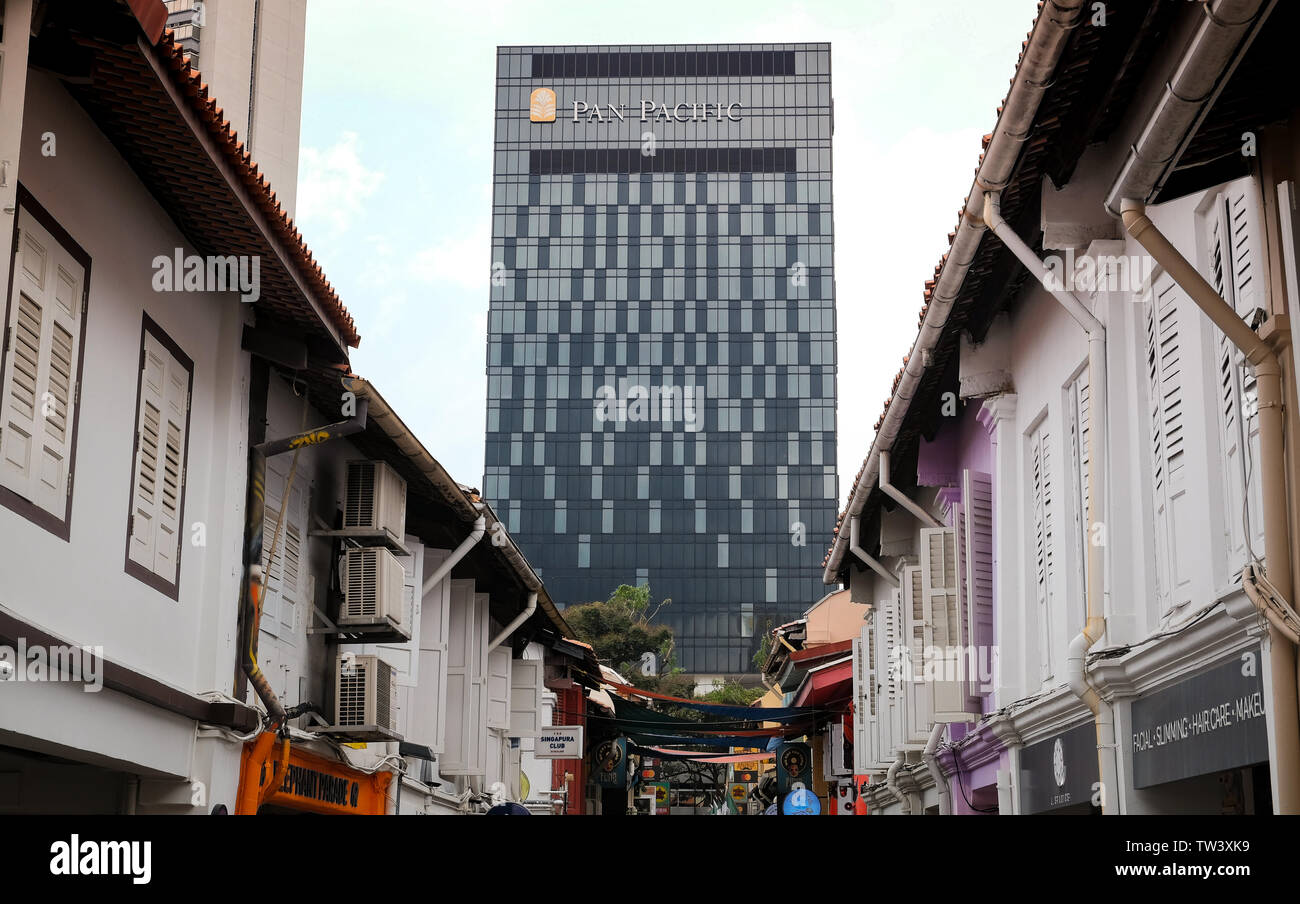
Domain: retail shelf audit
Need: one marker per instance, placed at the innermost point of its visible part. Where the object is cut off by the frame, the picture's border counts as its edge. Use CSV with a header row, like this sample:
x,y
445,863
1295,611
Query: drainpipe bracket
x,y
1276,331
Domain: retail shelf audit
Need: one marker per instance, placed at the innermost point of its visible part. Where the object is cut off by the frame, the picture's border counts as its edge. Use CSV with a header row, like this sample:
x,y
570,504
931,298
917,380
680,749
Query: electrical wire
x,y
956,762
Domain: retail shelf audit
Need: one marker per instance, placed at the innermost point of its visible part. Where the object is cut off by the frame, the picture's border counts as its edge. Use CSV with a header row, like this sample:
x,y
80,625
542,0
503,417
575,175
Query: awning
x,y
827,686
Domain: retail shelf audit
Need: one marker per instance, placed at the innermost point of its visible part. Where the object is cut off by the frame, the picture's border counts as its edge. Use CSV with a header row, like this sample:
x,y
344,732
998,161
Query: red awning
x,y
829,686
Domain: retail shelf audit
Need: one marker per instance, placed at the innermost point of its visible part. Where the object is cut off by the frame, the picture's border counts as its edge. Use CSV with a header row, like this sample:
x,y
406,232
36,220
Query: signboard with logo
x,y
738,793
793,767
559,742
1060,771
1207,723
309,783
542,103
661,798
609,762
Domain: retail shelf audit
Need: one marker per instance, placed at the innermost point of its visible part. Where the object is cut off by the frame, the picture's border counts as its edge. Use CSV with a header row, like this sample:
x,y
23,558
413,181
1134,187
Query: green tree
x,y
734,694
620,629
764,646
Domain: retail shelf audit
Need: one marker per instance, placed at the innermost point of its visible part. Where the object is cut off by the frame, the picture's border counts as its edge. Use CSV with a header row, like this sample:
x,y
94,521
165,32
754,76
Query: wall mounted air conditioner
x,y
373,588
366,692
375,499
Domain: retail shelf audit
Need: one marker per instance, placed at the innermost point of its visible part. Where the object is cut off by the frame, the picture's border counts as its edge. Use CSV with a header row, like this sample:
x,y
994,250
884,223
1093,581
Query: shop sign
x,y
793,767
1207,723
1060,771
610,761
661,798
559,742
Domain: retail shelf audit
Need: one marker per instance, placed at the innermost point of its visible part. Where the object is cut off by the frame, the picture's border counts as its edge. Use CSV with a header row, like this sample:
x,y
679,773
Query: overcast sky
x,y
395,173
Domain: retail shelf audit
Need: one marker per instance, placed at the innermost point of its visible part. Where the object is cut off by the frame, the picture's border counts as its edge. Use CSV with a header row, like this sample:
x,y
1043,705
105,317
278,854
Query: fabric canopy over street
x,y
746,713
665,753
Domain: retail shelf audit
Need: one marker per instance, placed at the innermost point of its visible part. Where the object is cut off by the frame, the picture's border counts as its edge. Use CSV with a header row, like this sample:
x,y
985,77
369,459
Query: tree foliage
x,y
734,694
620,629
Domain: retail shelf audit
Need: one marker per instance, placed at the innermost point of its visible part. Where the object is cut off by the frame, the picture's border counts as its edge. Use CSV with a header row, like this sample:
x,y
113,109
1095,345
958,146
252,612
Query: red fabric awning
x,y
828,687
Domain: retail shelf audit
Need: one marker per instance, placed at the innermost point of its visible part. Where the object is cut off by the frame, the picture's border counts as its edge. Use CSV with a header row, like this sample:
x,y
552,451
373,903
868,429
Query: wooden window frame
x,y
169,589
20,505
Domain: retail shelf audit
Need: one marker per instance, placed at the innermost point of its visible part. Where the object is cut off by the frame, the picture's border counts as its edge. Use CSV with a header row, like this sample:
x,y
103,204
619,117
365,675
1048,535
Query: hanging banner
x,y
609,762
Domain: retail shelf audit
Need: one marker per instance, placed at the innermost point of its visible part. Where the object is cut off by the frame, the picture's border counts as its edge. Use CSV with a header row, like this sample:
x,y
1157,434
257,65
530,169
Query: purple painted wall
x,y
963,443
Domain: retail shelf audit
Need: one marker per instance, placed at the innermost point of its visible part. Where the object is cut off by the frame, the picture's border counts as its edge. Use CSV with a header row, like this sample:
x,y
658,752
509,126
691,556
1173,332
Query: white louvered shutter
x,y
977,518
939,583
526,691
159,460
1237,273
1167,363
917,693
866,699
1077,414
498,687
894,659
1043,551
286,574
39,394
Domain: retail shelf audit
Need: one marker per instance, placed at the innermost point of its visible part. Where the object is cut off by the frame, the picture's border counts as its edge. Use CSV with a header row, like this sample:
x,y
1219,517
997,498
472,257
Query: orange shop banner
x,y
305,781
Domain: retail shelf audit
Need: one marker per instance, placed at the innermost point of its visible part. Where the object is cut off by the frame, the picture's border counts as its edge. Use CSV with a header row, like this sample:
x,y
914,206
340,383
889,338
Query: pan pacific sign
x,y
542,104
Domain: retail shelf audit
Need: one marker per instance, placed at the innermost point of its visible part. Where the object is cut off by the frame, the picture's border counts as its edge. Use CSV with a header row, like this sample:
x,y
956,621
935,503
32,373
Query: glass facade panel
x,y
661,334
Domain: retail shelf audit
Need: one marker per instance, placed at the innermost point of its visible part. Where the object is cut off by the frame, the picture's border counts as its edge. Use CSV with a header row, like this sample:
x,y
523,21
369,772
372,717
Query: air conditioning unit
x,y
366,692
373,588
376,499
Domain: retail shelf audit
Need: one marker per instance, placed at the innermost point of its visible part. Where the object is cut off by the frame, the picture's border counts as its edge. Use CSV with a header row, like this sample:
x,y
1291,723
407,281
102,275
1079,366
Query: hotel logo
x,y
541,105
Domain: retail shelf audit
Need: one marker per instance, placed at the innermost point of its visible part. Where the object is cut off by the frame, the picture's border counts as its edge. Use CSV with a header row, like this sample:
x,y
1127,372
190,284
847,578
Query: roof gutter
x,y
1095,618
516,622
1033,78
1227,28
876,565
899,496
479,531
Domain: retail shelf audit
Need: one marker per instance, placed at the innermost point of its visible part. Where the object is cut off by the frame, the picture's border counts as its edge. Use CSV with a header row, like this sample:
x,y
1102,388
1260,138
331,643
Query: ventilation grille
x,y
363,583
359,506
352,691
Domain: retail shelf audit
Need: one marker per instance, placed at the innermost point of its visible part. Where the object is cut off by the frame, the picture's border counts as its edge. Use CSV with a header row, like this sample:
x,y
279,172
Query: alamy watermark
x,y
977,665
53,663
214,273
667,404
1103,273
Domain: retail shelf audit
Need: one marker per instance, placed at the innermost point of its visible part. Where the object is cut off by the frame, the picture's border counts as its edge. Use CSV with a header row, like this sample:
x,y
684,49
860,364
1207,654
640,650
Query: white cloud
x,y
460,260
333,184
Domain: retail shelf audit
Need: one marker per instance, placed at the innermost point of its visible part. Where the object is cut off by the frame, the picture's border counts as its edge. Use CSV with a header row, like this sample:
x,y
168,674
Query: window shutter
x,y
917,695
466,750
404,656
1077,417
39,394
526,691
890,657
1043,549
498,687
1237,275
433,701
286,575
160,458
977,515
939,591
866,705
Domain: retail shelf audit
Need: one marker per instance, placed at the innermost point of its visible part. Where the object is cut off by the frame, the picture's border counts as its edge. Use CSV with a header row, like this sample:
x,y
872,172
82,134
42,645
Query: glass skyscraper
x,y
661,333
